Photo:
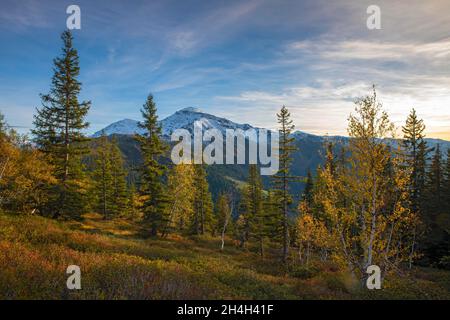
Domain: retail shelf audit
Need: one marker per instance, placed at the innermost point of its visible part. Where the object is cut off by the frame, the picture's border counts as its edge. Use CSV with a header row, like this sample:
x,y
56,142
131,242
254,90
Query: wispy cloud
x,y
434,52
325,107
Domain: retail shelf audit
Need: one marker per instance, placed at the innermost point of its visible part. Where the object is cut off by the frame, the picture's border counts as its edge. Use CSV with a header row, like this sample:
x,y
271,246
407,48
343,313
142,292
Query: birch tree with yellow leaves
x,y
366,202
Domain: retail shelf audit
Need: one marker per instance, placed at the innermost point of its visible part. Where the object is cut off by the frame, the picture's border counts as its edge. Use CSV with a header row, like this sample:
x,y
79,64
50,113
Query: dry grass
x,y
116,263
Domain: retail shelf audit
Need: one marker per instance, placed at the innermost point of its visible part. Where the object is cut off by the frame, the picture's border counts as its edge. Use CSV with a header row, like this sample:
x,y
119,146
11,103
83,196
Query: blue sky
x,y
237,59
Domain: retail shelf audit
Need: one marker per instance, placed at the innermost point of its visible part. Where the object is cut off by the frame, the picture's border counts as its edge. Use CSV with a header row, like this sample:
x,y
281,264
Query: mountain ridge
x,y
308,156
181,119
184,119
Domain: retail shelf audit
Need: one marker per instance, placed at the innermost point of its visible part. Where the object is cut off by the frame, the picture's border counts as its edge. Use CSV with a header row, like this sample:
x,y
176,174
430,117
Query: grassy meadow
x,y
117,262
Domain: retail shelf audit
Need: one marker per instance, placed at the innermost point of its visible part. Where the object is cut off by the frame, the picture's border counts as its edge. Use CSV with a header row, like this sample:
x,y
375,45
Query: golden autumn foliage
x,y
312,235
364,200
180,187
25,175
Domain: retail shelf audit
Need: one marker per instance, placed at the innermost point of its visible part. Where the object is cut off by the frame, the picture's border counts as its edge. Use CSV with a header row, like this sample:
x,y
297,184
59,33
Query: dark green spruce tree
x,y
119,179
415,149
152,171
203,219
437,238
283,177
252,215
58,132
102,177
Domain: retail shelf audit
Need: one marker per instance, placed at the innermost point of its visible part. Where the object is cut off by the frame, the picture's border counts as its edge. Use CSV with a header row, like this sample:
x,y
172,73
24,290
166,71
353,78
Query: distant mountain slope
x,y
186,117
310,152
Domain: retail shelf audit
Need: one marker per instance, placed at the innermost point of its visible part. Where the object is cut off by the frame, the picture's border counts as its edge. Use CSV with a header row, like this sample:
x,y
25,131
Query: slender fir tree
x,y
202,219
58,130
284,177
152,173
413,144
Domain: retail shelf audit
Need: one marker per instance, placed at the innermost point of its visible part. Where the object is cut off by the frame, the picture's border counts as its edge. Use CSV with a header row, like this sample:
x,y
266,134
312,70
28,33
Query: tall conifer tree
x,y
413,144
202,219
151,183
284,177
58,130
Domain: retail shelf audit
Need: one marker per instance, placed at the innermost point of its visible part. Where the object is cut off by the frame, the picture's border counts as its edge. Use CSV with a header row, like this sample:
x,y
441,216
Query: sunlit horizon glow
x,y
239,60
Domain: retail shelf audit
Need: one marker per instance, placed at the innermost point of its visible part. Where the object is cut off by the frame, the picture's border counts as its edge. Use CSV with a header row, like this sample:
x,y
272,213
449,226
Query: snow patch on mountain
x,y
185,118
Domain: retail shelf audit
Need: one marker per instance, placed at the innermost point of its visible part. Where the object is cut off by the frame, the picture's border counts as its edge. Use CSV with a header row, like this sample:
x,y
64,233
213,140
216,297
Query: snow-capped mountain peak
x,y
188,117
182,119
